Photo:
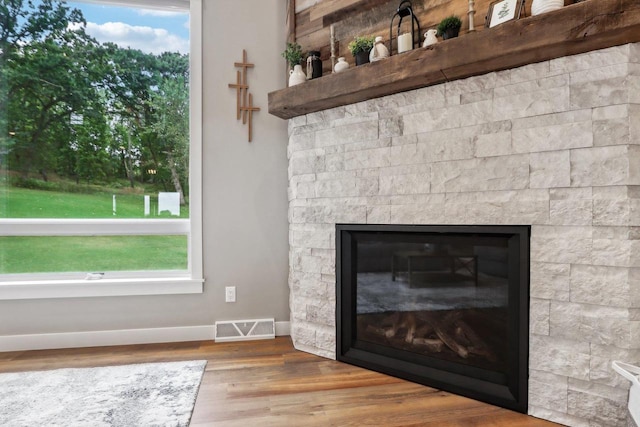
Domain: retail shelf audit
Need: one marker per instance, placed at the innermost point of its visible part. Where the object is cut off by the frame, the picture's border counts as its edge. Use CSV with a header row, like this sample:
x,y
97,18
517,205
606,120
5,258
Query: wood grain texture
x,y
578,28
290,21
332,11
372,17
269,383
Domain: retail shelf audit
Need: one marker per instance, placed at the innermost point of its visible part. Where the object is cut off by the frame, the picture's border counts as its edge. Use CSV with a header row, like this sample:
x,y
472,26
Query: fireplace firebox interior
x,y
444,306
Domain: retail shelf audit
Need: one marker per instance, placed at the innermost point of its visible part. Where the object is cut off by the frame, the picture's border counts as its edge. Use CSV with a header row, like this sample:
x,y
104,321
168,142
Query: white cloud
x,y
147,39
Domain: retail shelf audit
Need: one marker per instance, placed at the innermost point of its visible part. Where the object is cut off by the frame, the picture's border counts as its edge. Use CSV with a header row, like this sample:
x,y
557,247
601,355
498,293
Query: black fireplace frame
x,y
508,391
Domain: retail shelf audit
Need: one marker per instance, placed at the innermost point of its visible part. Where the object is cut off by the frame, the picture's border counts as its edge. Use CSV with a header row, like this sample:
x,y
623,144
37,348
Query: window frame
x,y
118,283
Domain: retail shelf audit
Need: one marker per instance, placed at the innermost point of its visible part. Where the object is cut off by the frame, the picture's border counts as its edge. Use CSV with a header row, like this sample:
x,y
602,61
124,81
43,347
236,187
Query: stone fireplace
x,y
554,145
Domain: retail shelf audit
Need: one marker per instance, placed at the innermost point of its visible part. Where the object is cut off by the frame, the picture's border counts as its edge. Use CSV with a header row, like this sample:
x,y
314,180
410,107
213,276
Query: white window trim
x,y
68,285
99,288
195,151
93,227
144,4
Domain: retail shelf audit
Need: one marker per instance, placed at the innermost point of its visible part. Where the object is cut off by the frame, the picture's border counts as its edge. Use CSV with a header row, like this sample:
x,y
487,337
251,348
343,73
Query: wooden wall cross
x,y
244,100
240,88
248,110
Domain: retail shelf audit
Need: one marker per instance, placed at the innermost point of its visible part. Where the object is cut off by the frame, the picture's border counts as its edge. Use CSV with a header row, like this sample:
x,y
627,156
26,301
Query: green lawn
x,y
86,253
92,254
25,203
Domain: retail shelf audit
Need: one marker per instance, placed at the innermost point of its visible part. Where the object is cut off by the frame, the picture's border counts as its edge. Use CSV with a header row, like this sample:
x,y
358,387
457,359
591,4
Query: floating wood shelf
x,y
578,28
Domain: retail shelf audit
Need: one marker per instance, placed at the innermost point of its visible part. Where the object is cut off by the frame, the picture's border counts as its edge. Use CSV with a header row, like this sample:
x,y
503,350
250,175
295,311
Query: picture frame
x,y
501,11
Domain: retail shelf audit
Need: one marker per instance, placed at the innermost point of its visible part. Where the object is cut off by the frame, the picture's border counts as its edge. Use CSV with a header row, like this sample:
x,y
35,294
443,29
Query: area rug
x,y
150,394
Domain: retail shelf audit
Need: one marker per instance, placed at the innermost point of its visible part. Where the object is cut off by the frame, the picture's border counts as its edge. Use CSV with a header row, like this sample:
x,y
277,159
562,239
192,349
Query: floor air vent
x,y
244,330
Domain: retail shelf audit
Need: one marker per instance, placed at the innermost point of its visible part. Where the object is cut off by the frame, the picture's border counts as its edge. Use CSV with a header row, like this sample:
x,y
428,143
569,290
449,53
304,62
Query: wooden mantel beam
x,y
574,29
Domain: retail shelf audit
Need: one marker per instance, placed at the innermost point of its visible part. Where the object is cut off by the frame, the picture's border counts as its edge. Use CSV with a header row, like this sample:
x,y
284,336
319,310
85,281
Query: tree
x,y
171,107
133,105
23,21
133,76
47,74
173,65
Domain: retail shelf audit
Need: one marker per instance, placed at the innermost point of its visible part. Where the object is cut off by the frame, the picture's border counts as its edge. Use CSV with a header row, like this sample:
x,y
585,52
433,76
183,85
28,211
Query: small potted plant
x,y
293,54
449,27
360,48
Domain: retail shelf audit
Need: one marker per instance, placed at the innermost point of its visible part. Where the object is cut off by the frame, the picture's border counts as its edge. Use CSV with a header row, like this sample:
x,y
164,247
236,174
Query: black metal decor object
x,y
314,65
404,9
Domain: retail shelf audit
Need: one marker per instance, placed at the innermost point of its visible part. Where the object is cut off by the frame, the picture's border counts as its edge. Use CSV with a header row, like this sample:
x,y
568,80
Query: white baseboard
x,y
117,337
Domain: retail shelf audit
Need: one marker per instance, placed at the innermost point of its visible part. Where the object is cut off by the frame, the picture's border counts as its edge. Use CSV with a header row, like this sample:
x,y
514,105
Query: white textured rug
x,y
150,394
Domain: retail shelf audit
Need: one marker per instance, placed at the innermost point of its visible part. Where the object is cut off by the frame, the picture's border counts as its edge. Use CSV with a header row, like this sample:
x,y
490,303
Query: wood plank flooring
x,y
269,383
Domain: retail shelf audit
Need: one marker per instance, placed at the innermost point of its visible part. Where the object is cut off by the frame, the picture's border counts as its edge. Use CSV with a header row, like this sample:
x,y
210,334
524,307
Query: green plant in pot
x,y
449,27
360,48
293,54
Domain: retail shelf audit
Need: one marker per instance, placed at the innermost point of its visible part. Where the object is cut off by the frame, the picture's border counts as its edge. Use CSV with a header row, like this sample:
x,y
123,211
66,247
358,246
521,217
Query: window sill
x,y
99,288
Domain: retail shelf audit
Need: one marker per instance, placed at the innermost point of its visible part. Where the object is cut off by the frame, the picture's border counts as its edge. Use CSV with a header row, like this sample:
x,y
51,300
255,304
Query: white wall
x,y
245,184
244,204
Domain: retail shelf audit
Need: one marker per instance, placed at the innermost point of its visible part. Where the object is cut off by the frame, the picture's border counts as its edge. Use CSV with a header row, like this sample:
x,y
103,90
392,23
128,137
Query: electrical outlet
x,y
230,294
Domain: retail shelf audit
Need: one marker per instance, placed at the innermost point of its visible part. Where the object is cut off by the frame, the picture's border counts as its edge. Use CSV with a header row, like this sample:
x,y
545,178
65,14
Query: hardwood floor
x,y
269,383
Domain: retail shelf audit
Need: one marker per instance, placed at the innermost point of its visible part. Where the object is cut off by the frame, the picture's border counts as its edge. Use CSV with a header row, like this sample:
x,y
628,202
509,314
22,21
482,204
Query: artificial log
x,y
392,320
432,332
386,332
461,337
424,330
401,321
446,338
410,323
477,344
392,325
432,345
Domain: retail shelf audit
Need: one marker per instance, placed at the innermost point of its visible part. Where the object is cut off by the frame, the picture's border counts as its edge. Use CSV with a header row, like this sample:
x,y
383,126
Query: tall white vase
x,y
543,6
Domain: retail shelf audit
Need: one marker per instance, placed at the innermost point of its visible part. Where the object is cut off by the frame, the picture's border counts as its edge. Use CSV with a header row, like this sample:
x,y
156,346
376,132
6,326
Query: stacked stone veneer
x,y
555,145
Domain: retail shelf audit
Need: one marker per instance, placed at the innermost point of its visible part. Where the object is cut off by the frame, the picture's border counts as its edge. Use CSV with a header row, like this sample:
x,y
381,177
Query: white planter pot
x,y
543,6
341,66
297,76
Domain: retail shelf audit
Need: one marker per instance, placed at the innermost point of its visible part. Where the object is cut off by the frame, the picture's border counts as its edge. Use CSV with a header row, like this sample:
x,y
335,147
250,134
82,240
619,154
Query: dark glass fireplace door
x,y
436,308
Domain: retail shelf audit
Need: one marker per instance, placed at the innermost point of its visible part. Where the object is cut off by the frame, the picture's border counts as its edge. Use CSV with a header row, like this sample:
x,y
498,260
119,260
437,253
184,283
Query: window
x,y
100,147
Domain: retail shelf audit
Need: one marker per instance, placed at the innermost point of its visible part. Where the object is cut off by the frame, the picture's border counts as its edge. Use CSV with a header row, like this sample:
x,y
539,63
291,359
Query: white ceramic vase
x,y
297,76
379,50
430,38
543,6
341,65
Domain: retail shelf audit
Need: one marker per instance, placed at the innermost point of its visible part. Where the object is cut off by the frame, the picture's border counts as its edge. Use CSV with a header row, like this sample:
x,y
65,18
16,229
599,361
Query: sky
x,y
151,31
